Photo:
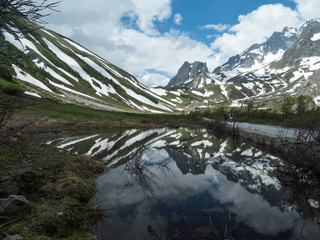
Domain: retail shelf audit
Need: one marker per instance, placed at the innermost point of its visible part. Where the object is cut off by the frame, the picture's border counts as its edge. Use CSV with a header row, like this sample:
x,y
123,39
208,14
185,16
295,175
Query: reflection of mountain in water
x,y
193,151
186,163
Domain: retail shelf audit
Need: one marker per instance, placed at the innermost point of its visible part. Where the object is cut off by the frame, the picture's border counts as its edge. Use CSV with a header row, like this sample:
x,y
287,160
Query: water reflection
x,y
170,183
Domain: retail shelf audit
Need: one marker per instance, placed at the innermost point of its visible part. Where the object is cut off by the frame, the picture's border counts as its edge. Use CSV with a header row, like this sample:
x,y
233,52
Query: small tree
x,y
287,105
303,103
29,10
32,11
6,111
249,106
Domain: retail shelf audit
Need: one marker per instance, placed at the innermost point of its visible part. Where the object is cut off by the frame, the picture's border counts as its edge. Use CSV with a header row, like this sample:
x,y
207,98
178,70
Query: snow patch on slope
x,y
315,37
23,76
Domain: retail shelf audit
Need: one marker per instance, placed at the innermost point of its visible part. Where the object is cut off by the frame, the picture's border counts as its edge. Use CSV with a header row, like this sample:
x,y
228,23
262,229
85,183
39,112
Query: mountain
x,y
44,64
259,55
288,63
187,72
308,45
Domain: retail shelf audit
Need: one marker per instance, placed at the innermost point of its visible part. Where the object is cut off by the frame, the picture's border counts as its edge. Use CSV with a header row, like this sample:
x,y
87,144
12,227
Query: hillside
x,y
44,64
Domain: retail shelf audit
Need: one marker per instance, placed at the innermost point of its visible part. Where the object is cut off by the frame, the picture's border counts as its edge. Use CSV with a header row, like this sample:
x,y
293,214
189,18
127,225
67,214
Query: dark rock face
x,y
187,71
13,204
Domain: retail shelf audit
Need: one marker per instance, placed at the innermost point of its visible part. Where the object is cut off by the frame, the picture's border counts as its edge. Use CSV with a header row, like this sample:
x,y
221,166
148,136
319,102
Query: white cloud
x,y
255,27
102,30
308,9
178,18
154,79
125,33
219,27
163,53
149,11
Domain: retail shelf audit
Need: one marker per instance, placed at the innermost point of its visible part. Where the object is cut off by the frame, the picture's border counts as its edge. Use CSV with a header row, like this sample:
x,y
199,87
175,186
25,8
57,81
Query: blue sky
x,y
200,13
151,39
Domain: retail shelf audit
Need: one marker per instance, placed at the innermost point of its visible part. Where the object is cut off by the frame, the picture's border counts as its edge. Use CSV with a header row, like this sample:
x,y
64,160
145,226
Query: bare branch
x,y
29,10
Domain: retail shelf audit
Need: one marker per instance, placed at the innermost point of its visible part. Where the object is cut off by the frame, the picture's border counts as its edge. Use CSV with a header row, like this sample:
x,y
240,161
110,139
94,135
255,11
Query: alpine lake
x,y
189,184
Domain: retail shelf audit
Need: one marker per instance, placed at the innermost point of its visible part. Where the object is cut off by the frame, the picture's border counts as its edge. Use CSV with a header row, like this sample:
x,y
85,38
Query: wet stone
x,y
13,237
13,204
5,178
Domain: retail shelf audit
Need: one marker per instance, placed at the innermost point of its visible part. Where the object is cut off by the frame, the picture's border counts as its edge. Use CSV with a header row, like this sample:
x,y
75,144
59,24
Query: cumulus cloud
x,y
218,27
133,44
125,33
147,12
163,53
308,9
154,79
255,27
178,18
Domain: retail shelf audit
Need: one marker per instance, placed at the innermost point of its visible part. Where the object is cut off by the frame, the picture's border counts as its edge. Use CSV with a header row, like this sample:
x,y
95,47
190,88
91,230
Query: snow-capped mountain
x,y
287,63
306,46
44,64
260,55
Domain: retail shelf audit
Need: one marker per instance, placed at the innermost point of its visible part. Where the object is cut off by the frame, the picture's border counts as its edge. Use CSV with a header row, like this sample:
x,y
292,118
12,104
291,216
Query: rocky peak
x,y
278,42
187,71
307,45
281,40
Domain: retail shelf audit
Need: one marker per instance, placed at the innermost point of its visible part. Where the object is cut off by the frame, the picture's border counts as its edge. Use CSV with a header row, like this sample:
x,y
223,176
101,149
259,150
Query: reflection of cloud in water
x,y
171,185
134,225
175,188
224,172
253,209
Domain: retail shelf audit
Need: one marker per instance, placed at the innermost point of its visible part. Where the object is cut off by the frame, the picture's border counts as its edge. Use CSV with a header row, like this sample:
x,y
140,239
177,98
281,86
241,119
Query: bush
x,y
11,88
287,105
6,72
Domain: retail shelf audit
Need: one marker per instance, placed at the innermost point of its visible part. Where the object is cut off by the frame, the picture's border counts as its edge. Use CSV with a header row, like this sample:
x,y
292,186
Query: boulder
x,y
13,237
13,204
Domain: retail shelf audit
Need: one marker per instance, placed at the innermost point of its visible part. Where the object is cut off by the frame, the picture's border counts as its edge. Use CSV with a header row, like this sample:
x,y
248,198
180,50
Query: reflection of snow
x,y
221,150
252,208
205,143
314,203
76,141
228,178
99,146
175,188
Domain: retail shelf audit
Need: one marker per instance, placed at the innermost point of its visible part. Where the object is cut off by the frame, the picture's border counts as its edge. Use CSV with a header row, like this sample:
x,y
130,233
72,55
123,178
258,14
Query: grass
x,y
81,116
58,183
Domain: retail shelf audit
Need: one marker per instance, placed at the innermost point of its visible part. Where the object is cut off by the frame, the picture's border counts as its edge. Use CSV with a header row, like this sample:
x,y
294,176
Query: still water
x,y
189,184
